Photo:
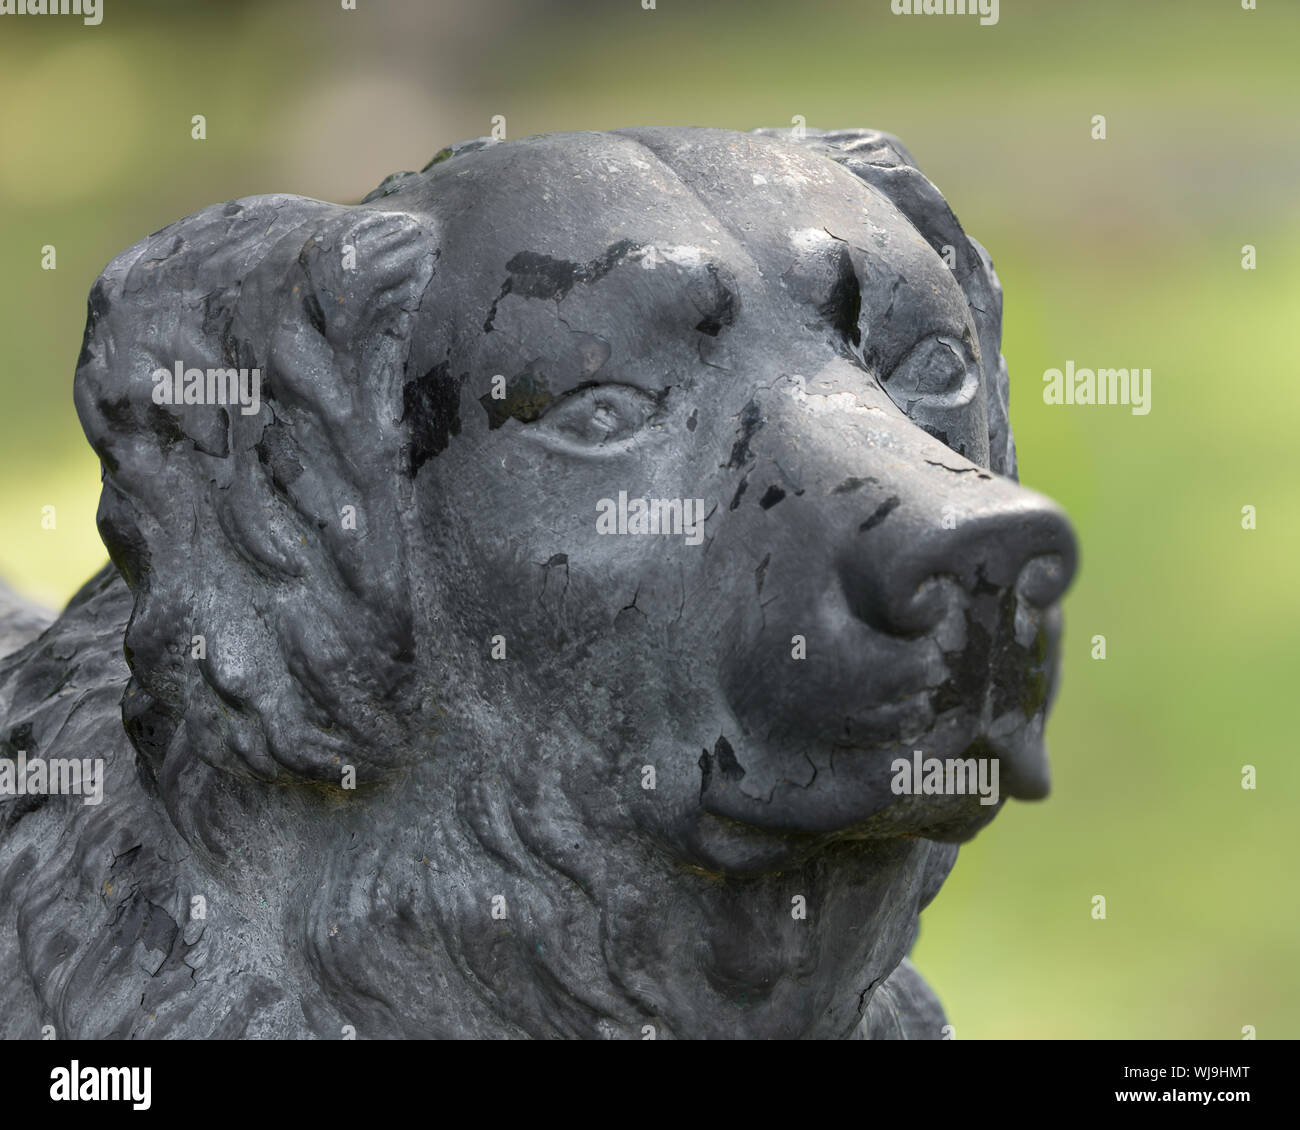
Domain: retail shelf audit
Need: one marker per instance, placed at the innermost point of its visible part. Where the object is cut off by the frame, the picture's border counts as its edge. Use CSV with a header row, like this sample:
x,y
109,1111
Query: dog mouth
x,y
934,789
937,762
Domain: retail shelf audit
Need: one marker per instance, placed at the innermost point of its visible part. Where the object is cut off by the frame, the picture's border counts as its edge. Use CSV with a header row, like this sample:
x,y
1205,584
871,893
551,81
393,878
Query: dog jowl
x,y
604,785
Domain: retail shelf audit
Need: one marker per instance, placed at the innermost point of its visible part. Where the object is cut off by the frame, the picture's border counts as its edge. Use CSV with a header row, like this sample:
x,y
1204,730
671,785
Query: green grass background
x,y
1123,252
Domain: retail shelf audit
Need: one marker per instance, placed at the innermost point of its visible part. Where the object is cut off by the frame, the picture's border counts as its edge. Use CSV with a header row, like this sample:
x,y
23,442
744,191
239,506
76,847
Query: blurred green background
x,y
1123,252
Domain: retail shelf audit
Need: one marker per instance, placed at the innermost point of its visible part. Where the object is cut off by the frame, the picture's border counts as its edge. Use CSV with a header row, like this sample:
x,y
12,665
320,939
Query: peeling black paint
x,y
527,396
431,406
492,314
715,297
852,483
164,425
751,419
883,511
724,758
968,670
740,491
540,276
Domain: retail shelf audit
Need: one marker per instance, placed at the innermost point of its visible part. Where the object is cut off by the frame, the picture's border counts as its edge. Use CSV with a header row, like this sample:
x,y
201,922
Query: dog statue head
x,y
556,603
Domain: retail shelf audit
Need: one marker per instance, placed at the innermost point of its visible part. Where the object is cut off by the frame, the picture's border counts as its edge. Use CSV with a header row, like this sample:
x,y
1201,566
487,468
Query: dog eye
x,y
940,370
599,415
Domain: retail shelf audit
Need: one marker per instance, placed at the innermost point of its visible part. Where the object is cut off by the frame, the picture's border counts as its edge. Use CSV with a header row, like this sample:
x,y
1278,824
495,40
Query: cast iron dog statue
x,y
536,583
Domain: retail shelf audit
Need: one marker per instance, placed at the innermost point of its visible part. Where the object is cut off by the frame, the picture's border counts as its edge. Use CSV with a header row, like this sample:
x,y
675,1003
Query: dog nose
x,y
904,559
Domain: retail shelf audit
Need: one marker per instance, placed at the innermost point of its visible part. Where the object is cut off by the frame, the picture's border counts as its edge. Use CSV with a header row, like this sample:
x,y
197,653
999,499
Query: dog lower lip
x,y
848,790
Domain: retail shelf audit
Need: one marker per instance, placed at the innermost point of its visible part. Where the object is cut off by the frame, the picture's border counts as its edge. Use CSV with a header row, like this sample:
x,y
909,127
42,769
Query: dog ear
x,y
884,163
274,531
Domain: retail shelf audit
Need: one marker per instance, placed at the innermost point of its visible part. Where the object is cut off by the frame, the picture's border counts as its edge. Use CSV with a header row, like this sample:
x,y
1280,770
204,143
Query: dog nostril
x,y
924,608
900,605
1043,580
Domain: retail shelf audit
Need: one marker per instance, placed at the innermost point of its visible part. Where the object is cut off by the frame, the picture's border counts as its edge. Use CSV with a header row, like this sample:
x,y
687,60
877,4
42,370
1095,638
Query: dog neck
x,y
480,918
